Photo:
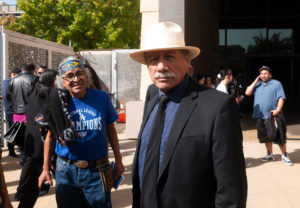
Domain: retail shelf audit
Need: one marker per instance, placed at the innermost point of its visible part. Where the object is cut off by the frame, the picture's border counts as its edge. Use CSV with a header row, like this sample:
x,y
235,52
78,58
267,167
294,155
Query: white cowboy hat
x,y
164,36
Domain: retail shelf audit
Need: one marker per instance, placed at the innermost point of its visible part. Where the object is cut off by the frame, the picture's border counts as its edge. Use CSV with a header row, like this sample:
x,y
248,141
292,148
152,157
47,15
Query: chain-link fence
x,y
120,74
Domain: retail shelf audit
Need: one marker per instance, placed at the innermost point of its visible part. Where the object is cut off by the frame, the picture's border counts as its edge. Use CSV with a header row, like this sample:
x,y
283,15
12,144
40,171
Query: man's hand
x,y
118,170
275,112
239,99
45,176
257,79
280,104
250,88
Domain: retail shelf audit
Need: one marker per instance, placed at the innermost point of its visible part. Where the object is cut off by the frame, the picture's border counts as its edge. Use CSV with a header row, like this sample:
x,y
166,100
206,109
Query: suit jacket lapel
x,y
186,108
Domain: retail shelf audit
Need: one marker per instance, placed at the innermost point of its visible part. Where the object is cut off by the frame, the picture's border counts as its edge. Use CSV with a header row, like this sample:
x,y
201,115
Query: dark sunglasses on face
x,y
70,76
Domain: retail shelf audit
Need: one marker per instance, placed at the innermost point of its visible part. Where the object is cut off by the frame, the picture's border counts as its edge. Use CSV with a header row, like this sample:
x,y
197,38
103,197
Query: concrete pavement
x,y
270,184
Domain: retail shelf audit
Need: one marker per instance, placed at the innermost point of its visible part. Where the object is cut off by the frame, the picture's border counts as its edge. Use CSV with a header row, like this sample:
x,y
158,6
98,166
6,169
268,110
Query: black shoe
x,y
13,156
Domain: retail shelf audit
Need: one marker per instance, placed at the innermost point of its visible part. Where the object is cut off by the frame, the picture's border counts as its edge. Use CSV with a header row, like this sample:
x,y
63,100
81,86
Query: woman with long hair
x,y
223,79
28,192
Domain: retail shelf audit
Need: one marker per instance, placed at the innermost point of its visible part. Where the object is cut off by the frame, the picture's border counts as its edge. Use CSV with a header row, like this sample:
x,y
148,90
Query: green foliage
x,y
275,44
89,24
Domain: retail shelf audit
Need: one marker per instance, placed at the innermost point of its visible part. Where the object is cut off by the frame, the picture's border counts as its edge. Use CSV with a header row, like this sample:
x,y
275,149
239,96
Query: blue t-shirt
x,y
91,115
266,98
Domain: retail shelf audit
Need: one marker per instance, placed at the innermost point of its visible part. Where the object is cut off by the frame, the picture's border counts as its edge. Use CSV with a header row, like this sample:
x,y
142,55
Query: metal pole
x,y
114,83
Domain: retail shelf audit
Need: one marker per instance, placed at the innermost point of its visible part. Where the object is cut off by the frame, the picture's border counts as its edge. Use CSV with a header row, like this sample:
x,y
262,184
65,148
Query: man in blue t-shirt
x,y
79,163
269,99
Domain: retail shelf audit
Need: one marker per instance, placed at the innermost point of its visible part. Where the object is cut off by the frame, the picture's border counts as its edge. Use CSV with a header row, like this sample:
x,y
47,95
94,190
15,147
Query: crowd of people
x,y
60,113
180,161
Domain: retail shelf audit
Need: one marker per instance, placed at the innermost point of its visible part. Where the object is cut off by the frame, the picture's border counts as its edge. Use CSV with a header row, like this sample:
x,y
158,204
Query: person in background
x,y
269,99
4,197
201,79
18,92
190,70
40,70
189,150
208,82
223,79
83,174
235,89
27,191
8,108
95,83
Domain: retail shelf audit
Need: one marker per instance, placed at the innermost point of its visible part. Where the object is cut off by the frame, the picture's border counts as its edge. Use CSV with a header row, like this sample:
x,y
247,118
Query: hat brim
x,y
139,56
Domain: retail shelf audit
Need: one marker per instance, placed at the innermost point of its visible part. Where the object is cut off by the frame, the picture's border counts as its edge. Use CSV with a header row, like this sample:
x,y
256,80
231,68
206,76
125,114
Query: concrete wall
x,y
154,11
150,15
173,11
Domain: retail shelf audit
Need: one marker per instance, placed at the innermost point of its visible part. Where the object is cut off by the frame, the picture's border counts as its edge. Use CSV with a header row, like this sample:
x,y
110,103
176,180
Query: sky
x,y
10,2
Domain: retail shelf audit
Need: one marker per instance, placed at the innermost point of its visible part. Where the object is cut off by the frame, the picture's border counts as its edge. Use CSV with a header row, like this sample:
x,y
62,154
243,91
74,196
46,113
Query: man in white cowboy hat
x,y
189,151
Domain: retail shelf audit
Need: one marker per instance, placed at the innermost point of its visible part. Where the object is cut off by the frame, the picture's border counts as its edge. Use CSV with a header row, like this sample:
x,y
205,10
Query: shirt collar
x,y
264,84
25,72
176,94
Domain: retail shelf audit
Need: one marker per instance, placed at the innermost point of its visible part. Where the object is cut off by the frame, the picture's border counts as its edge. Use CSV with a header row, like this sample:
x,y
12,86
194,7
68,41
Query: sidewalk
x,y
269,184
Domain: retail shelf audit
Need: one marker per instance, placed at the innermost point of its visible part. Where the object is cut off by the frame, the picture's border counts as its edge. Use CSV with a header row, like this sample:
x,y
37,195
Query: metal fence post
x,y
114,81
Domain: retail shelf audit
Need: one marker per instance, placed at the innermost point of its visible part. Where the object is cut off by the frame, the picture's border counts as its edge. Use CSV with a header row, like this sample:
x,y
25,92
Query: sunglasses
x,y
70,76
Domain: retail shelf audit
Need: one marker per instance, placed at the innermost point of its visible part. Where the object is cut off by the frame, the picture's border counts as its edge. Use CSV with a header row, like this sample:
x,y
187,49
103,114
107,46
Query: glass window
x,y
222,37
280,40
251,40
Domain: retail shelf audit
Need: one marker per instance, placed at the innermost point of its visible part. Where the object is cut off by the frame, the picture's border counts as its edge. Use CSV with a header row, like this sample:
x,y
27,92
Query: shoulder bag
x,y
15,134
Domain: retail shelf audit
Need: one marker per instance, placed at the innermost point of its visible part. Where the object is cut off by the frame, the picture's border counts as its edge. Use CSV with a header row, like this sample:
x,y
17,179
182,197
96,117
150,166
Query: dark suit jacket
x,y
203,164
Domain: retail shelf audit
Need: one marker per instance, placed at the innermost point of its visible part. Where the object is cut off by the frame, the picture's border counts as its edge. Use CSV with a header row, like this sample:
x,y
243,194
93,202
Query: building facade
x,y
6,10
240,35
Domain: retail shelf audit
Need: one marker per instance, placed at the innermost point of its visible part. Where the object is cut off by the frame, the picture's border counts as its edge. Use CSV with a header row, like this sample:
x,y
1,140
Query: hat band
x,y
70,65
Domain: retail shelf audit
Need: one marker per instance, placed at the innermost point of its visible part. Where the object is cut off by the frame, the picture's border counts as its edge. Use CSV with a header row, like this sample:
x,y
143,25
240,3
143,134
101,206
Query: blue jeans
x,y
78,187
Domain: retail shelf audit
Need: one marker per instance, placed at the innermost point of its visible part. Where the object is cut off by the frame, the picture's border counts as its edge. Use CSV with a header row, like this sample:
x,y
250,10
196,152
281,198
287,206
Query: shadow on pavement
x,y
121,198
10,164
12,183
295,155
128,144
252,162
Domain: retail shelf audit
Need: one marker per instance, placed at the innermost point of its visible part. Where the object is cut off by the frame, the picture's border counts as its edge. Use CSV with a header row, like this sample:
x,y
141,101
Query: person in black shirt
x,y
28,191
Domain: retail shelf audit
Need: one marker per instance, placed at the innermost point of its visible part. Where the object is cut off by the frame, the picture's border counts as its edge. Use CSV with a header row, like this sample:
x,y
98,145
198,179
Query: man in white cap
x,y
269,100
189,151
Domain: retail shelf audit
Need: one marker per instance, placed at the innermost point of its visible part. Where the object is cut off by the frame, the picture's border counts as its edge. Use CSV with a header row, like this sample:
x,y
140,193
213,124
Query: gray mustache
x,y
164,75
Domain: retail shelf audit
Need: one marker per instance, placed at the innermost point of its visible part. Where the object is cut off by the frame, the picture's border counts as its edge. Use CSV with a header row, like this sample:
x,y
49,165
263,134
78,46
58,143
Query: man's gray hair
x,y
59,80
